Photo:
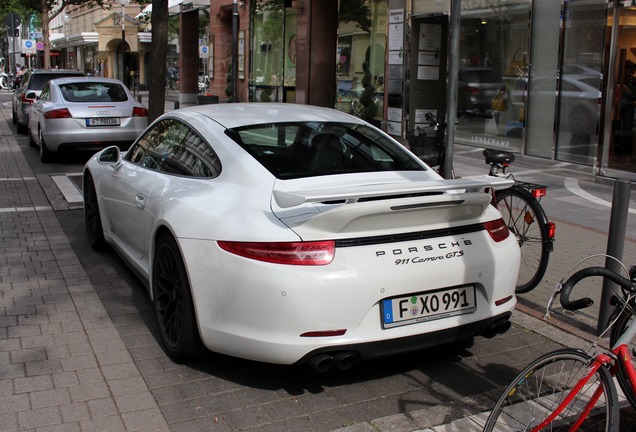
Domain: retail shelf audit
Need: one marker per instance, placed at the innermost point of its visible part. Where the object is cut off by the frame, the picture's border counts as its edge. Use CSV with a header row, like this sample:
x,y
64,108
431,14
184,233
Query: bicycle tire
x,y
538,389
622,321
525,219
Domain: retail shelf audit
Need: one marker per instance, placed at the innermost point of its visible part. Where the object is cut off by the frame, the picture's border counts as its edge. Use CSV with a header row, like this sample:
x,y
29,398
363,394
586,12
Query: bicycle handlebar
x,y
567,286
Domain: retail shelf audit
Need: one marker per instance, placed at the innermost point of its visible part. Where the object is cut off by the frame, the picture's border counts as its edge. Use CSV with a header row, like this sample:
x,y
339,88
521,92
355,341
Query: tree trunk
x,y
46,35
157,64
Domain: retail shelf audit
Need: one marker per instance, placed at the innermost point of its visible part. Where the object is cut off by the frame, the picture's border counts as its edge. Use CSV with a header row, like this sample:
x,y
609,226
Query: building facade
x,y
558,76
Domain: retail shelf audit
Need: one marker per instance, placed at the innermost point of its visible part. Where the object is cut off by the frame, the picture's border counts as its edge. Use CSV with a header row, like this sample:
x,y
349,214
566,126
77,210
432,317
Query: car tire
x,y
14,117
45,153
172,302
22,129
92,218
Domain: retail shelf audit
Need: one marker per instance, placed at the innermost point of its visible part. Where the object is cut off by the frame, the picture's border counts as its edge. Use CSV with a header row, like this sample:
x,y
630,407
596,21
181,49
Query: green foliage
x,y
370,109
356,11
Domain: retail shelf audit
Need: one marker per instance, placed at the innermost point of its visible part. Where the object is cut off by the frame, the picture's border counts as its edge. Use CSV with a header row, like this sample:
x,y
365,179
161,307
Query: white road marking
x,y
68,189
572,185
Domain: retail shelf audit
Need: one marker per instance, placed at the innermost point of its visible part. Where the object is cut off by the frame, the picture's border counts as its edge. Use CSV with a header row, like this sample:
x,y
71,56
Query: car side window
x,y
172,147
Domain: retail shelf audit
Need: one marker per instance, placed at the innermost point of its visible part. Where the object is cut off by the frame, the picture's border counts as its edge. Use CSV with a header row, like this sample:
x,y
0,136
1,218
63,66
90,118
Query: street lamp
x,y
67,21
123,4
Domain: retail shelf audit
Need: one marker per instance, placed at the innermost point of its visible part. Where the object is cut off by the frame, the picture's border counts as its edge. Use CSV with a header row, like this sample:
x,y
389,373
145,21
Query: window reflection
x,y
172,147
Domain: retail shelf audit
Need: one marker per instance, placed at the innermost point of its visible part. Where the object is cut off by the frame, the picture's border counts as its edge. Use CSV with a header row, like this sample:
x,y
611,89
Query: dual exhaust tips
x,y
344,360
341,360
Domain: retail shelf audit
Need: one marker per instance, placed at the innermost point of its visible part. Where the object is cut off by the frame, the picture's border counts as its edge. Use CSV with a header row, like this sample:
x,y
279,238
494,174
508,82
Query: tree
x,y
49,9
157,64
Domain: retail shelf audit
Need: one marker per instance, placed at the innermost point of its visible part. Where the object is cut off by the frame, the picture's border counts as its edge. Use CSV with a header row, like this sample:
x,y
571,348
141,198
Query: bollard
x,y
139,98
176,105
615,247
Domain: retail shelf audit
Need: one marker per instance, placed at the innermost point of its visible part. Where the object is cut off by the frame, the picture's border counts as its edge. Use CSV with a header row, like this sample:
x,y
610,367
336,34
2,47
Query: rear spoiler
x,y
348,194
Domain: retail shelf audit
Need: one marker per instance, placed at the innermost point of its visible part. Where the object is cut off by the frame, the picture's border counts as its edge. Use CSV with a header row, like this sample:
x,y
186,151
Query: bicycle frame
x,y
623,356
620,357
598,361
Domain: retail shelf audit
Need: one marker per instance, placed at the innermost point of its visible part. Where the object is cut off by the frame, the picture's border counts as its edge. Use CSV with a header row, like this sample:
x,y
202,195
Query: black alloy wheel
x,y
173,304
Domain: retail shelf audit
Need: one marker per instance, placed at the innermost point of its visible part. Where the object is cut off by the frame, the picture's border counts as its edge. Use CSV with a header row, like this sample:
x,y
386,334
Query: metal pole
x,y
451,101
123,44
234,49
615,247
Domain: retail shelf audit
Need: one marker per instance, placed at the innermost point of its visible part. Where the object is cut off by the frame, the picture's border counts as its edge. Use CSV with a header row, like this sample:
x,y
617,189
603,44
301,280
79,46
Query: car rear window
x,y
306,149
87,91
39,80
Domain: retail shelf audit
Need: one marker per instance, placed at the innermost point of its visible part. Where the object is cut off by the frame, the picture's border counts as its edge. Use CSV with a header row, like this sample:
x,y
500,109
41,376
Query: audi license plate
x,y
103,121
428,306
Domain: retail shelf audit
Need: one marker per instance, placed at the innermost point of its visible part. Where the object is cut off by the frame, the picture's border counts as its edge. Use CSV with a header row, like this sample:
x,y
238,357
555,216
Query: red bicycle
x,y
569,389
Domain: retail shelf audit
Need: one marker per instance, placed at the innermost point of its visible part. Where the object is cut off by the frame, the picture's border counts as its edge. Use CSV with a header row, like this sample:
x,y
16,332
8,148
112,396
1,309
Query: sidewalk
x,y
69,362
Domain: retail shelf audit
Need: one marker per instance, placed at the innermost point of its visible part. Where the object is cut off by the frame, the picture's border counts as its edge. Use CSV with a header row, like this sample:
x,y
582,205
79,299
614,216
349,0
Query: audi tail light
x,y
57,114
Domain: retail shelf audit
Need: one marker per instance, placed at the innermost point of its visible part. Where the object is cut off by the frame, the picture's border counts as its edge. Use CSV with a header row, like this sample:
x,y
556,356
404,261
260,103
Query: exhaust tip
x,y
498,327
321,363
345,360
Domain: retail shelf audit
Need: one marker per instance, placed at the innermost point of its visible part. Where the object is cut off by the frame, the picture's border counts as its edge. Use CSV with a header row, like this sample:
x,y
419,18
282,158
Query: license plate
x,y
490,92
428,306
103,121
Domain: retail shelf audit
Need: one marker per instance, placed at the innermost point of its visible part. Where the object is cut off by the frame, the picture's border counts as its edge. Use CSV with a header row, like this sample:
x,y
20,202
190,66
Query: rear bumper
x,y
386,348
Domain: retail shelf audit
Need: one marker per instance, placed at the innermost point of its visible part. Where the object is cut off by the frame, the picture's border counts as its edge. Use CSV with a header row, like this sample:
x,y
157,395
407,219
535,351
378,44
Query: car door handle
x,y
140,201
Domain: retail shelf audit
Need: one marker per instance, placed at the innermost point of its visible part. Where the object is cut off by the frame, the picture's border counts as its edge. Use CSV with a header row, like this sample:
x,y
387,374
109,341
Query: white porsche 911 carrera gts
x,y
291,233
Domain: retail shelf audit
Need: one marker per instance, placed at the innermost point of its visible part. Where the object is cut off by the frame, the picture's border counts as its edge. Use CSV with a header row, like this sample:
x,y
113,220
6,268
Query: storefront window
x,y
273,77
360,58
618,156
494,46
580,84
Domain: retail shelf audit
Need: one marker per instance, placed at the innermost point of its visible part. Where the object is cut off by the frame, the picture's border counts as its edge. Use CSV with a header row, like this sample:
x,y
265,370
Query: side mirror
x,y
31,96
110,156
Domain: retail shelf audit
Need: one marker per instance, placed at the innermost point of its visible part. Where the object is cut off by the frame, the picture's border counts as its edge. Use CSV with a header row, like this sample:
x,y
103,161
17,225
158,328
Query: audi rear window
x,y
87,91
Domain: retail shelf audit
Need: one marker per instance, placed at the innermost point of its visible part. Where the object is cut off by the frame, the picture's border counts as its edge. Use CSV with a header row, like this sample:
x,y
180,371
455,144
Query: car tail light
x,y
473,90
497,229
292,253
140,112
57,114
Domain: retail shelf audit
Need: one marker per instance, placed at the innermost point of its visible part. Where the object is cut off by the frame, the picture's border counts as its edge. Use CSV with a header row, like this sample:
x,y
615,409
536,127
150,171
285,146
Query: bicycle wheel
x,y
542,386
521,212
623,321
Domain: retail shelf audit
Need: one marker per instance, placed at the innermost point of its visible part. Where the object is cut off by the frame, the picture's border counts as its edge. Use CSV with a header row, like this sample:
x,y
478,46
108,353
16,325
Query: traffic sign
x,y
28,46
204,51
12,20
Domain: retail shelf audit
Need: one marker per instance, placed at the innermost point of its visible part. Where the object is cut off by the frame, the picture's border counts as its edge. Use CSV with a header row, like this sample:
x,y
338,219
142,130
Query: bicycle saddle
x,y
500,157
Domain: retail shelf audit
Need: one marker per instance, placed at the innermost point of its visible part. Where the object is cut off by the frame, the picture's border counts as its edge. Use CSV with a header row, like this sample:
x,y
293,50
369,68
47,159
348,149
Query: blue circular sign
x,y
28,43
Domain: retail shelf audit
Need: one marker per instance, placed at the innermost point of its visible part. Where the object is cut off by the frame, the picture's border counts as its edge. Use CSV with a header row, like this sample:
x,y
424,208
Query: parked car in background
x,y
85,113
476,87
29,89
298,234
579,98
